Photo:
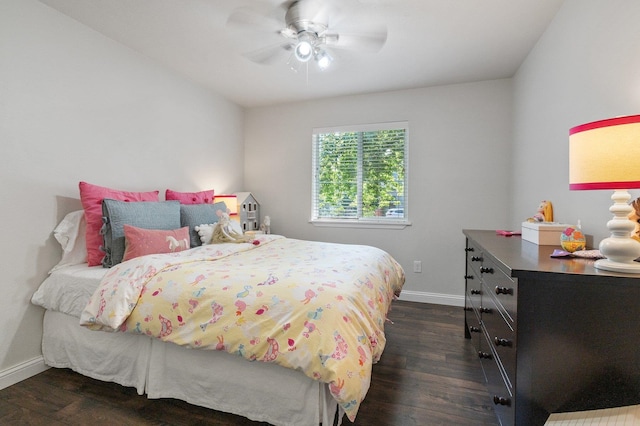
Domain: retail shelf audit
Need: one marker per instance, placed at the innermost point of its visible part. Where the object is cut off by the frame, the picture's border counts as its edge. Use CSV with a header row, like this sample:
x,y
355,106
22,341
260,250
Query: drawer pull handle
x,y
498,400
468,277
502,342
485,270
469,249
474,291
503,290
486,310
473,329
484,355
476,258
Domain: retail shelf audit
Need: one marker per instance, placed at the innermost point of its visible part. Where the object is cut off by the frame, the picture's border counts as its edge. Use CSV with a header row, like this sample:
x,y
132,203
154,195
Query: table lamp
x,y
605,154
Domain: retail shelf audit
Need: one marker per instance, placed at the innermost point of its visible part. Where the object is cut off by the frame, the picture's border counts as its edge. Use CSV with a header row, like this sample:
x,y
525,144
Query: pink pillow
x,y
140,242
202,197
91,197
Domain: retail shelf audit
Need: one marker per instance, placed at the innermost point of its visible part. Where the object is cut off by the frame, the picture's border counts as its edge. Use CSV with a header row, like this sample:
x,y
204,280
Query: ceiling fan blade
x,y
270,54
370,39
377,2
285,5
256,26
244,19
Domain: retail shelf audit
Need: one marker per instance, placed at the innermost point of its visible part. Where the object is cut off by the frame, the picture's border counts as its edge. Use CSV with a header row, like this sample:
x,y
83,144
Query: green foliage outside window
x,y
359,175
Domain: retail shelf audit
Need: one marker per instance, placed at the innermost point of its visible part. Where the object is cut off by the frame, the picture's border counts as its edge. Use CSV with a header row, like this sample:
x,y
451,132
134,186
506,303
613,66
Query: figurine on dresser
x,y
544,213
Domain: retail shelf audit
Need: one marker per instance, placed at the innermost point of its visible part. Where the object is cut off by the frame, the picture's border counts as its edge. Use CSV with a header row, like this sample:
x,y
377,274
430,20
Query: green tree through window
x,y
360,173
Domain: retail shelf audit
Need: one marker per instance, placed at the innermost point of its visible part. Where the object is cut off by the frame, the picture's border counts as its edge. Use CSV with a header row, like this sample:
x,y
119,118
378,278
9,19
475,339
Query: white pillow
x,y
70,233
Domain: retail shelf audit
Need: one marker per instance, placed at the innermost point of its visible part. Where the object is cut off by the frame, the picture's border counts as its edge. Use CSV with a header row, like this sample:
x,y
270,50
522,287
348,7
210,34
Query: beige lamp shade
x,y
605,154
231,201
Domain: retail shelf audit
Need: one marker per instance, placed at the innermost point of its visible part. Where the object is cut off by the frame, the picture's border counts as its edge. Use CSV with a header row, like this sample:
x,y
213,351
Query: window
x,y
360,174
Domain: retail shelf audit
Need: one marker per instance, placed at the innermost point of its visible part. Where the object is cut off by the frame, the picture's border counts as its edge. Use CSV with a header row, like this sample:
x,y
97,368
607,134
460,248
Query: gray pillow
x,y
143,214
192,215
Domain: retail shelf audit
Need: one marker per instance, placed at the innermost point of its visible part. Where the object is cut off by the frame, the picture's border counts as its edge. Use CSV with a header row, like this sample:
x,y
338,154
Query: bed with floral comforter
x,y
315,307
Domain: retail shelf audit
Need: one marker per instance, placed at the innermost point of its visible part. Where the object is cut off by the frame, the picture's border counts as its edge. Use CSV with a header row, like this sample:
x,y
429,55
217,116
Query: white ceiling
x,y
429,42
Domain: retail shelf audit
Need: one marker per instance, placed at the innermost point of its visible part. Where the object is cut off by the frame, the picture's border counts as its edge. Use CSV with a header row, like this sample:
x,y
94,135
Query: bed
x,y
277,330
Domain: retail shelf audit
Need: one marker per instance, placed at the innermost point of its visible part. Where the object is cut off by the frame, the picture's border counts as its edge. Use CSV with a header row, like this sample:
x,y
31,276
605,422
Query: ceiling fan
x,y
310,30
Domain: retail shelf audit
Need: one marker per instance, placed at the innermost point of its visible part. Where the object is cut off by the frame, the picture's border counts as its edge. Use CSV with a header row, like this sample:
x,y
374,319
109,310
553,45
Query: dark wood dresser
x,y
552,335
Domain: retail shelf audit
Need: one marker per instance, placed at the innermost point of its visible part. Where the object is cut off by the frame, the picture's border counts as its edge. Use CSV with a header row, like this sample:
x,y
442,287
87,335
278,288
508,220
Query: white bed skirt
x,y
216,380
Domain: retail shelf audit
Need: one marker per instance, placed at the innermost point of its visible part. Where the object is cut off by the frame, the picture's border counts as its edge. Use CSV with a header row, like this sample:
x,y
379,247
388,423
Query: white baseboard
x,y
22,371
437,298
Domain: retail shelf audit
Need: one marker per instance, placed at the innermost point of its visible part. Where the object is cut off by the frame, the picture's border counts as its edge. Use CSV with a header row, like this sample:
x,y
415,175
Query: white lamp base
x,y
620,249
609,265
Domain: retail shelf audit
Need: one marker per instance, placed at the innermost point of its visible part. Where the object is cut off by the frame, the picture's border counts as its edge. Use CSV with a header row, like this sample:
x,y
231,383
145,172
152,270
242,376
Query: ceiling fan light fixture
x,y
305,46
323,59
303,51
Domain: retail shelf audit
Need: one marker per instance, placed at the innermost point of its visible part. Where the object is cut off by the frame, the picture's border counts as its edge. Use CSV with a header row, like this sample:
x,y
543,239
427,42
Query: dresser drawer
x,y
474,267
502,287
474,258
501,335
473,288
500,393
474,327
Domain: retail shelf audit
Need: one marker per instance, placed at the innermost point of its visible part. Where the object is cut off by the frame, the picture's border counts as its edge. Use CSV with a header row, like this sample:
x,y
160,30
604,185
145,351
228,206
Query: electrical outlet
x,y
417,266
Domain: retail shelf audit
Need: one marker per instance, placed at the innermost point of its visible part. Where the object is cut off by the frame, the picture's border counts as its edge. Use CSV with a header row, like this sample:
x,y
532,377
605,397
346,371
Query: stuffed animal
x,y
266,225
544,213
205,232
223,232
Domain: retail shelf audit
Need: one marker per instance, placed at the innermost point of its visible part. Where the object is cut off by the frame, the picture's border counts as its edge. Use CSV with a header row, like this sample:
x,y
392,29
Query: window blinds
x,y
360,173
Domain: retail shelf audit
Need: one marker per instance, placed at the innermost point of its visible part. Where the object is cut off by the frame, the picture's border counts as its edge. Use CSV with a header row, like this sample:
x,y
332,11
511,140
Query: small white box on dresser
x,y
543,233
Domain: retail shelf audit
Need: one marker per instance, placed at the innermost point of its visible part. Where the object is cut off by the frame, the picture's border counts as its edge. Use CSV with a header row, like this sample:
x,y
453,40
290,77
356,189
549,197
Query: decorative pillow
x,y
140,241
149,215
91,197
71,233
202,197
192,215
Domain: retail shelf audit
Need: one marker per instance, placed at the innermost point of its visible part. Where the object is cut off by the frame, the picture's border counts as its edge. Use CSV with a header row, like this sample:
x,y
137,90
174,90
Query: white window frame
x,y
369,222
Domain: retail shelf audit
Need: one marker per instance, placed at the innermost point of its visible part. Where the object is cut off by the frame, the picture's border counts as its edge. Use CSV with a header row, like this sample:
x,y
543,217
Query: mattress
x,y
217,380
68,289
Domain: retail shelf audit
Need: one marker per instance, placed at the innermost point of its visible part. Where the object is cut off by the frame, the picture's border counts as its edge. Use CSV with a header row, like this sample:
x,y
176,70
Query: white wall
x,y
74,106
586,67
482,155
459,146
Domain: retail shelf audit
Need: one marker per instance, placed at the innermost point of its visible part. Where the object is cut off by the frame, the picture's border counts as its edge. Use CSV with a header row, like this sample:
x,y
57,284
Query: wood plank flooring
x,y
428,375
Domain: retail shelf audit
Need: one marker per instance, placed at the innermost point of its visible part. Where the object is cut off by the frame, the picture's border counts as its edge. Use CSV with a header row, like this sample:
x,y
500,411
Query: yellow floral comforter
x,y
315,307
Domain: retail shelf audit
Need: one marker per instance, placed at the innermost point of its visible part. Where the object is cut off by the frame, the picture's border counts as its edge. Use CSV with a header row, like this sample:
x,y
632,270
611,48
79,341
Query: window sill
x,y
371,224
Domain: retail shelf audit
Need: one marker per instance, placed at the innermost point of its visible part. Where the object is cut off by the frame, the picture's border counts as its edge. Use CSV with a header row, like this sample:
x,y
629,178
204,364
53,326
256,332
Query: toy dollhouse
x,y
248,211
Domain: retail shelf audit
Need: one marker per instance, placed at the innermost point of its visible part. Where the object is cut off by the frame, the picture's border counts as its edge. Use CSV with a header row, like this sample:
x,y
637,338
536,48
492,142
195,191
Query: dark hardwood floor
x,y
428,375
